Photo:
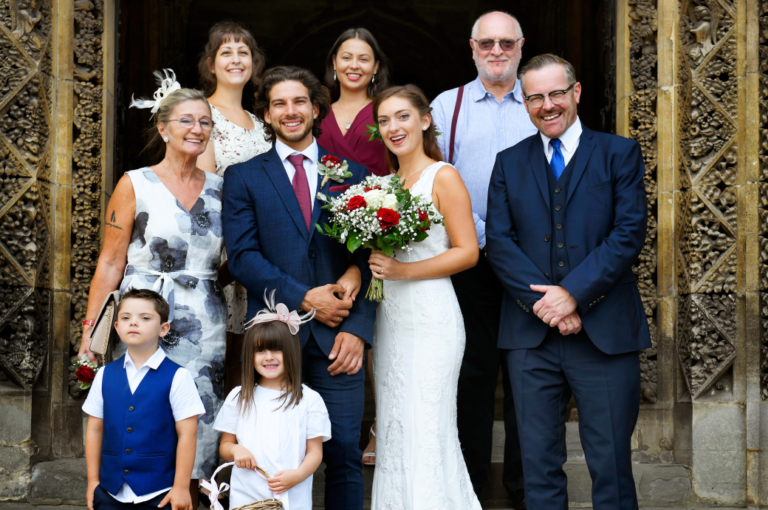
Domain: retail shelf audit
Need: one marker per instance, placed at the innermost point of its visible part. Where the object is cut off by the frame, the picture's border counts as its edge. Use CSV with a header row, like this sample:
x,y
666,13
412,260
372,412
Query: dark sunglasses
x,y
488,44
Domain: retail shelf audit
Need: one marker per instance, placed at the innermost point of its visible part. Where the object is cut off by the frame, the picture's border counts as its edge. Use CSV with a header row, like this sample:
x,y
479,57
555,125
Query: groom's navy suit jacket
x,y
605,226
269,247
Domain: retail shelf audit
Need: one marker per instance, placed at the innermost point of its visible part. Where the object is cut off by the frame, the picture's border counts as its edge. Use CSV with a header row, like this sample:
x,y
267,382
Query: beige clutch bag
x,y
105,324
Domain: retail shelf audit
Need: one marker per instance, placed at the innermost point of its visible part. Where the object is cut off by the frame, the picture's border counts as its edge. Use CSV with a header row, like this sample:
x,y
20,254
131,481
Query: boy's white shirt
x,y
185,402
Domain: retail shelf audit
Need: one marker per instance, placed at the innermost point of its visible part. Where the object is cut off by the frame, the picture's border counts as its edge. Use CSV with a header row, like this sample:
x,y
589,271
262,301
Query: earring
x,y
334,76
165,139
424,128
373,78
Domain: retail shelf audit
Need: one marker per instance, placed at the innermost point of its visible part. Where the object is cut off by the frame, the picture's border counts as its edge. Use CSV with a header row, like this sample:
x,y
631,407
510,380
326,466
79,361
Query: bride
x,y
419,340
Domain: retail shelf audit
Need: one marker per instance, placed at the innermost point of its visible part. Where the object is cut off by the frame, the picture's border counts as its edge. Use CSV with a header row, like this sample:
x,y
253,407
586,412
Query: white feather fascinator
x,y
166,79
279,312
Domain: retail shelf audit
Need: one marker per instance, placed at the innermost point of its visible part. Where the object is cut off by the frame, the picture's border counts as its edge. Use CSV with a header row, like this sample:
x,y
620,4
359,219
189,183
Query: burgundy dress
x,y
355,145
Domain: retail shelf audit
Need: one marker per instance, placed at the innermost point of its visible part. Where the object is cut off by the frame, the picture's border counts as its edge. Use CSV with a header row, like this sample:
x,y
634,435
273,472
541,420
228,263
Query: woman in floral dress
x,y
230,61
163,232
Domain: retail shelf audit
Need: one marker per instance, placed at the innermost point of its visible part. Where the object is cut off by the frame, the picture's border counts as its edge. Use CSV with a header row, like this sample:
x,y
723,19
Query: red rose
x,y
387,218
85,374
424,217
356,202
330,160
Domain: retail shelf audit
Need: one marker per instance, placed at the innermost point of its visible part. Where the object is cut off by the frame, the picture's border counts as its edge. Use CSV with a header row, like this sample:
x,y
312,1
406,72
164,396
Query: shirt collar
x,y
569,138
284,151
479,92
153,362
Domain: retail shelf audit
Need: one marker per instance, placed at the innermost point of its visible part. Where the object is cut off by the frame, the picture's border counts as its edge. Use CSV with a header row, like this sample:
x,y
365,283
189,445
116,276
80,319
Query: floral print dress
x,y
178,252
233,144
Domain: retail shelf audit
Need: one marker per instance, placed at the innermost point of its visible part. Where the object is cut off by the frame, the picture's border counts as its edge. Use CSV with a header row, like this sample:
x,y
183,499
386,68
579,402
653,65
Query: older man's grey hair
x,y
547,59
476,26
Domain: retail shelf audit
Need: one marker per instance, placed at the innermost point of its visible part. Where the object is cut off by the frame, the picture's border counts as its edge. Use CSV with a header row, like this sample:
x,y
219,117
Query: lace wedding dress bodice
x,y
417,351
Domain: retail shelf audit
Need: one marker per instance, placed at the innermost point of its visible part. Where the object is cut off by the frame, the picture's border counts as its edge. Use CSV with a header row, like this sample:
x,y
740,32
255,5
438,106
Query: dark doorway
x,y
426,41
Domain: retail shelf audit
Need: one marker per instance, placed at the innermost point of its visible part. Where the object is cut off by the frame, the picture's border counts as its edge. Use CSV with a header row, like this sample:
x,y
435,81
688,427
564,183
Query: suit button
x,y
126,472
557,208
561,263
311,254
559,245
546,239
559,226
128,451
557,190
130,430
131,408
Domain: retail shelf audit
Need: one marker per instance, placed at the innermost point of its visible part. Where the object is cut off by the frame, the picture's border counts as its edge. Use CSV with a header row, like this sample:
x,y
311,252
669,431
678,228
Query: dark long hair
x,y
418,100
382,80
220,33
318,96
271,336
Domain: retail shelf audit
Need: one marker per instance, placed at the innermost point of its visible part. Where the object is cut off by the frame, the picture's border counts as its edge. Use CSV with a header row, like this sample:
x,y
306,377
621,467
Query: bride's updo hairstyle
x,y
220,33
418,100
155,143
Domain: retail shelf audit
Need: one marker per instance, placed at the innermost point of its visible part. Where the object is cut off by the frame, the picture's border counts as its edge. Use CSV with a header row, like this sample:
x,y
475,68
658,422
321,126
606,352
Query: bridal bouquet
x,y
378,214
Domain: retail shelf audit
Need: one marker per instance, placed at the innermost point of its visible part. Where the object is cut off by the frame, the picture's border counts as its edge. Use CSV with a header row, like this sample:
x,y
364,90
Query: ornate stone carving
x,y
708,214
25,223
763,205
86,169
642,127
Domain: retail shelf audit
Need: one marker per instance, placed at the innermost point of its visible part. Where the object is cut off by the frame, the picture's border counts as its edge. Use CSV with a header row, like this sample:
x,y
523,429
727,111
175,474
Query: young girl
x,y
273,421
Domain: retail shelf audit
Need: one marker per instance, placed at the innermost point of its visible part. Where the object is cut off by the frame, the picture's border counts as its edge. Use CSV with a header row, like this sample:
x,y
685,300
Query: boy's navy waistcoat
x,y
139,445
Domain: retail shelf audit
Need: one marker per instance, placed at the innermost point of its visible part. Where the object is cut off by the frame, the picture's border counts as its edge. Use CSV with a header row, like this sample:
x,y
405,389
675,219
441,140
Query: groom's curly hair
x,y
318,95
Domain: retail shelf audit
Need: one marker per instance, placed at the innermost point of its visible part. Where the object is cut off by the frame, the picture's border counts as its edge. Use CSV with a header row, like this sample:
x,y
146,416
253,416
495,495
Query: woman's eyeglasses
x,y
189,123
488,44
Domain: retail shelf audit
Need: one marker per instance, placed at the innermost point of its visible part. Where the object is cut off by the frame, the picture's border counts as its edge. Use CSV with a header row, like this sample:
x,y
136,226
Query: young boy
x,y
142,430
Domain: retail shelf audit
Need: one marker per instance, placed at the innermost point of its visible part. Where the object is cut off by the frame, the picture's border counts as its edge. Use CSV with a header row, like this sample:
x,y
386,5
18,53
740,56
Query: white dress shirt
x,y
569,142
185,403
310,164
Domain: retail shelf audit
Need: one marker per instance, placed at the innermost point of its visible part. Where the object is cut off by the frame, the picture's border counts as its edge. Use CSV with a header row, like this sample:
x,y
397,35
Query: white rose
x,y
389,202
374,198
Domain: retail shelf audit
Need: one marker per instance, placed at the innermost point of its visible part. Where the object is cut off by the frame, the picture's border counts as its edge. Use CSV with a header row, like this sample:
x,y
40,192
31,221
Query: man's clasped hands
x,y
557,308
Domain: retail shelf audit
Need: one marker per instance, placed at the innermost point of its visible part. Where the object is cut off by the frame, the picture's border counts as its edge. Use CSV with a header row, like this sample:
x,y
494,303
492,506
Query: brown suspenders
x,y
454,121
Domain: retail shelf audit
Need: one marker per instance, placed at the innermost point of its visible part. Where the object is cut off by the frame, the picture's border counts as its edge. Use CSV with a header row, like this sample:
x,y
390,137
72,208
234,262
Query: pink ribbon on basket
x,y
280,312
214,490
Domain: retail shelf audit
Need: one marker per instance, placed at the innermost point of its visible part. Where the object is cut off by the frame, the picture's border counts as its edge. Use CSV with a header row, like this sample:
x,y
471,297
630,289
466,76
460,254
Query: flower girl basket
x,y
214,491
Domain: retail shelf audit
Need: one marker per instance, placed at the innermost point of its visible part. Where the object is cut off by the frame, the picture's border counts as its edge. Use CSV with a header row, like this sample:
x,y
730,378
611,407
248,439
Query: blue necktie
x,y
557,163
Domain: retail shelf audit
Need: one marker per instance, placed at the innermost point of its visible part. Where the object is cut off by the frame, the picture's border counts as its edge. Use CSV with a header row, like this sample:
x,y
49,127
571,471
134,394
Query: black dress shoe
x,y
518,500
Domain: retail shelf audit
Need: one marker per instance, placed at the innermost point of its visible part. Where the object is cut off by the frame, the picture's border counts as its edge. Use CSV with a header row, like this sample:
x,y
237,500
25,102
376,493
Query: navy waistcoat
x,y
139,445
558,191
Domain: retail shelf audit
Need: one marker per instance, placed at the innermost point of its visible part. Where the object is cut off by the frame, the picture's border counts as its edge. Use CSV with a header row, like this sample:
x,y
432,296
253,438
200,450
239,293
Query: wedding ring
x,y
568,323
338,319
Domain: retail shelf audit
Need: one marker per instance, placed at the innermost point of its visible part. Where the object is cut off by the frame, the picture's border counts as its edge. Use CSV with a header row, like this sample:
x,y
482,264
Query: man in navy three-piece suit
x,y
270,209
566,222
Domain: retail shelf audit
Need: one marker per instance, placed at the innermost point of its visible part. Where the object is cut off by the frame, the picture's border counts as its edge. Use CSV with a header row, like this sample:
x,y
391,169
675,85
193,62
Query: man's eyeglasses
x,y
189,123
488,44
556,96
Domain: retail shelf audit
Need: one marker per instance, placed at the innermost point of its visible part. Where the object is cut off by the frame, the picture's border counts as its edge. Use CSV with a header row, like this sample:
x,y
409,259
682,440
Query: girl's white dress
x,y
231,145
277,438
417,351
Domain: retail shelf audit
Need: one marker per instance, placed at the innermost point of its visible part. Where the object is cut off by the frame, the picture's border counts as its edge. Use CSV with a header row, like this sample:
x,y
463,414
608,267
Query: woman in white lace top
x,y
231,59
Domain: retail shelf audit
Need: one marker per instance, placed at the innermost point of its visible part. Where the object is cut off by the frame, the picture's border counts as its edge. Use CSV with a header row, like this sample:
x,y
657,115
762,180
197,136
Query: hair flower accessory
x,y
166,79
280,312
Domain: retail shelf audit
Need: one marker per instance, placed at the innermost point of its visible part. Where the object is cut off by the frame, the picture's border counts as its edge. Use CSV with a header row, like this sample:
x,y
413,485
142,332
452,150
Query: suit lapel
x,y
586,145
538,164
317,208
276,171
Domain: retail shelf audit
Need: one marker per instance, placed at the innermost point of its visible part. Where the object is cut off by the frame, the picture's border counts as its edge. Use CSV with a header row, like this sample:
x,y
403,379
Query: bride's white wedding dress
x,y
418,347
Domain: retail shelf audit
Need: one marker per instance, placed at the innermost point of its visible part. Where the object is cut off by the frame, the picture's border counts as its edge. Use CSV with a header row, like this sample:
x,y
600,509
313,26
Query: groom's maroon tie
x,y
301,187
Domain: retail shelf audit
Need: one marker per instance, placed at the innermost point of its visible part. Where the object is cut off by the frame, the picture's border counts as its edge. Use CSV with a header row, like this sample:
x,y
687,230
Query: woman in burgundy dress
x,y
356,69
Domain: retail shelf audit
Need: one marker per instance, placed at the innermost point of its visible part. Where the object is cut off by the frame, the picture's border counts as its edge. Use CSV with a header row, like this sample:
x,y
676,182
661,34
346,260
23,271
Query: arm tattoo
x,y
112,220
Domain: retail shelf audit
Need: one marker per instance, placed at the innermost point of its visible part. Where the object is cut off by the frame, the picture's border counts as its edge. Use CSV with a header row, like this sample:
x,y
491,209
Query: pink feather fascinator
x,y
280,312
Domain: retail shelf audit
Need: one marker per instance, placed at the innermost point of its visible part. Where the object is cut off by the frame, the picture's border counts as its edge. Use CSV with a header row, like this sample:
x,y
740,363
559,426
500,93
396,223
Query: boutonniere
x,y
331,167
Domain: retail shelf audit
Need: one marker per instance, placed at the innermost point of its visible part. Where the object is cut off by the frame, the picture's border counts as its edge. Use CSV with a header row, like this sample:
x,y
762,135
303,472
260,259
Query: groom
x,y
269,212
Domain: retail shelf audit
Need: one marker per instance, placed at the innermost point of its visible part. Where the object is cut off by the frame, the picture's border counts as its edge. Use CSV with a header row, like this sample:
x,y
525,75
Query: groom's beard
x,y
292,136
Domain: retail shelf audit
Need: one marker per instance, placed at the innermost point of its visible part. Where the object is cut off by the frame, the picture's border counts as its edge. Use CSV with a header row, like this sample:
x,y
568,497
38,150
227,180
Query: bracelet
x,y
88,322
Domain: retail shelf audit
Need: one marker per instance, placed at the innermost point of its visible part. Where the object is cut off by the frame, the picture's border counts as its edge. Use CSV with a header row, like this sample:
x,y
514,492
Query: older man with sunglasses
x,y
477,121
